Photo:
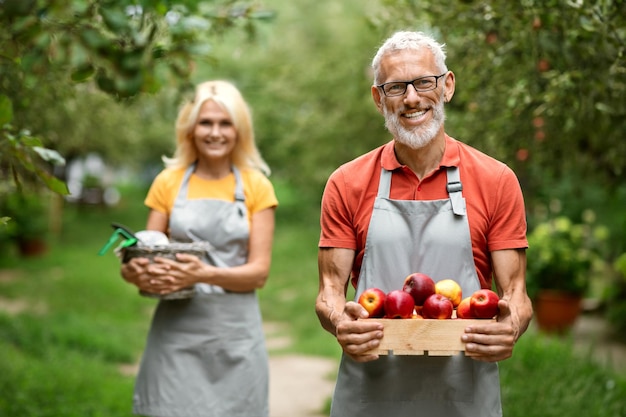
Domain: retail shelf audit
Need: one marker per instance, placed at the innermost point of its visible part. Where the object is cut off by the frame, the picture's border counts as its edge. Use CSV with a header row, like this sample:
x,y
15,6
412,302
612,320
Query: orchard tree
x,y
50,49
540,83
309,91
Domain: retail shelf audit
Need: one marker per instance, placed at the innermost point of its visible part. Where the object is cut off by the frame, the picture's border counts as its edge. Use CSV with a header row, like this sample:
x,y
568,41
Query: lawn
x,y
70,326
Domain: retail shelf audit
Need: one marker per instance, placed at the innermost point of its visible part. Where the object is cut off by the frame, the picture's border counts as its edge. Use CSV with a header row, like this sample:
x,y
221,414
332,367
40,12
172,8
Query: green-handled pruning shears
x,y
120,231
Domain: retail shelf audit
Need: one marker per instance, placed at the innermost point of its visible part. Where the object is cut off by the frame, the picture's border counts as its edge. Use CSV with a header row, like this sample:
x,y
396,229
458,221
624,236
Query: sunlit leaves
x,y
515,61
24,154
123,48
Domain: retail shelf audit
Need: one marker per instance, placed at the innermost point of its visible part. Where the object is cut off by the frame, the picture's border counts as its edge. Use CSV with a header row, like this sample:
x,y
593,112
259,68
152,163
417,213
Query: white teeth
x,y
415,114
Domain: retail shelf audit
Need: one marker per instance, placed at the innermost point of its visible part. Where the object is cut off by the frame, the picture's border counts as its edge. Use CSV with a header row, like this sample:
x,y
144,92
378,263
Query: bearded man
x,y
423,202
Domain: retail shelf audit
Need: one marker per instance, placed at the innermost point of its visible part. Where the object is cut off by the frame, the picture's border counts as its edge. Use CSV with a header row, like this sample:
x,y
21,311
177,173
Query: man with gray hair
x,y
423,202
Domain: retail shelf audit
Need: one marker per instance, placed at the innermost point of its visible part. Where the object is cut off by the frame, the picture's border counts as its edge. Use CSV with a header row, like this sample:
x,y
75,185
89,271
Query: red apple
x,y
398,305
451,289
484,304
463,309
420,286
437,306
543,65
373,300
537,23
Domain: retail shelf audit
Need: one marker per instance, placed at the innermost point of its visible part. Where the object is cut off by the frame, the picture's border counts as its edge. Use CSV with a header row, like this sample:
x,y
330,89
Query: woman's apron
x,y
429,236
206,356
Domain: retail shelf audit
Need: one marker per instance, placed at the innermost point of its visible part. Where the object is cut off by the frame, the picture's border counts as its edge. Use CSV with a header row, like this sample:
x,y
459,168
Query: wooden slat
x,y
423,336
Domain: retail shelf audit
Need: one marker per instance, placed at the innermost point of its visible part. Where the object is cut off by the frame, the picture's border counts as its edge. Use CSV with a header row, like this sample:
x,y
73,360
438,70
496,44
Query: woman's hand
x,y
145,275
173,275
136,272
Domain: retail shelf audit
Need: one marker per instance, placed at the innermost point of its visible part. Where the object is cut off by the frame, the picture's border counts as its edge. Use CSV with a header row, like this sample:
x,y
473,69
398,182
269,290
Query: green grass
x,y
545,378
61,382
289,295
61,355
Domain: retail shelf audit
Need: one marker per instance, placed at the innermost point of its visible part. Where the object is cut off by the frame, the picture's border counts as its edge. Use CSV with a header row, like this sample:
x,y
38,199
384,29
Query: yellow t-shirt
x,y
257,188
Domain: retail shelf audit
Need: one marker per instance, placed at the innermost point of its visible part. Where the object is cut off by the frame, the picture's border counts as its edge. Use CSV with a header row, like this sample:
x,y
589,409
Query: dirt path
x,y
592,335
300,385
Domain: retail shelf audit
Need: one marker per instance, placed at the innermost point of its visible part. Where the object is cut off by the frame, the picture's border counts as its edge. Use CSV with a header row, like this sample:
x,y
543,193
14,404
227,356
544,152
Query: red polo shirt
x,y
495,205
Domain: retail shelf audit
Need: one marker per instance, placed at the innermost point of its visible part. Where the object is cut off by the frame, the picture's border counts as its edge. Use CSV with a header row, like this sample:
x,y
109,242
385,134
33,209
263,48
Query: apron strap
x,y
182,191
384,183
239,195
240,198
455,190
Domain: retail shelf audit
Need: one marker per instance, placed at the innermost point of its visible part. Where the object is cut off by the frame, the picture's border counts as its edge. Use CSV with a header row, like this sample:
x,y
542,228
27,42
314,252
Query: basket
x,y
168,251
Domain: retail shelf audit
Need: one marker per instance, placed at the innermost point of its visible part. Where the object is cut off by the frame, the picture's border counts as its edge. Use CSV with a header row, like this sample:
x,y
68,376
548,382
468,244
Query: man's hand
x,y
492,341
355,336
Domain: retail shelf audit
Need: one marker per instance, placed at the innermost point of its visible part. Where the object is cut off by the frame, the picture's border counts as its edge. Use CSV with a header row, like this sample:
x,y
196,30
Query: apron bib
x,y
429,236
205,356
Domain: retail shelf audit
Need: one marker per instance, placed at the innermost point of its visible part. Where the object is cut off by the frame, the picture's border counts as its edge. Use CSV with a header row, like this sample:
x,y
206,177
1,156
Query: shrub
x,y
616,298
562,255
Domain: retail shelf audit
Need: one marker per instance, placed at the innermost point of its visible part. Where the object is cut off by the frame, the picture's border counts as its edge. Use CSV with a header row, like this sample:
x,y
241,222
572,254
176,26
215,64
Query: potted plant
x,y
27,222
561,260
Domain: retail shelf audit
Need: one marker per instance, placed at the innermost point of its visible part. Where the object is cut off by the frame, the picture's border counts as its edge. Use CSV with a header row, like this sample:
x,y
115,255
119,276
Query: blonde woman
x,y
205,355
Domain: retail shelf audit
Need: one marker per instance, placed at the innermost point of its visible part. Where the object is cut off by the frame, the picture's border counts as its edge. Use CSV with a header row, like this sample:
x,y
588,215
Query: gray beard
x,y
419,136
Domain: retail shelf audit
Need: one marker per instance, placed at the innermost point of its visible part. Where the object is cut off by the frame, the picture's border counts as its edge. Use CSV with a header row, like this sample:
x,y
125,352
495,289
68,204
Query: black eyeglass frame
x,y
406,85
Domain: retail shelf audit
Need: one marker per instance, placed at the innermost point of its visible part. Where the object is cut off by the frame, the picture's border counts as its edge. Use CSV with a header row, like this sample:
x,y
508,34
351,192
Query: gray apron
x,y
206,356
429,236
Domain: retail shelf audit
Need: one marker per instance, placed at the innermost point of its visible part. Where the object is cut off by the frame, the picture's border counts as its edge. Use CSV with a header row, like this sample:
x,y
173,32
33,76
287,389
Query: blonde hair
x,y
227,96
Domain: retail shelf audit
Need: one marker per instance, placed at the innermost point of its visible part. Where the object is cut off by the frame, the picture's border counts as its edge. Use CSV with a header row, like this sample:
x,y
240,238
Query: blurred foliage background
x,y
540,86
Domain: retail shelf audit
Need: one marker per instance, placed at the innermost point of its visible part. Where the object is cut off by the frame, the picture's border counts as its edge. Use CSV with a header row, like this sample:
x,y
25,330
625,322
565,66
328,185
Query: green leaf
x,y
82,73
115,20
603,107
159,51
52,182
263,15
132,60
49,155
24,160
28,140
105,83
129,86
93,39
78,55
6,110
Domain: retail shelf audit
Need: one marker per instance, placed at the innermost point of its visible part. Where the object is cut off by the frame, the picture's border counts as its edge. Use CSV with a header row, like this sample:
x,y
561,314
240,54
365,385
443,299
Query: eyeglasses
x,y
398,88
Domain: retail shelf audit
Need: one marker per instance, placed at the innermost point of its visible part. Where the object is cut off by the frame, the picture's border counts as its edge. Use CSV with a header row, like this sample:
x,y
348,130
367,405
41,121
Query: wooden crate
x,y
423,336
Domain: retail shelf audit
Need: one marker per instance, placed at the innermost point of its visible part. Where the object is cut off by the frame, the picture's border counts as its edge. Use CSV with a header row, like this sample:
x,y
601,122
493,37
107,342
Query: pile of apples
x,y
423,298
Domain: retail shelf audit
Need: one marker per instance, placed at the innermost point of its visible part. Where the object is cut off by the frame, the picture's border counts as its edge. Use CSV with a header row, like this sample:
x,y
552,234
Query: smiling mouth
x,y
213,142
415,114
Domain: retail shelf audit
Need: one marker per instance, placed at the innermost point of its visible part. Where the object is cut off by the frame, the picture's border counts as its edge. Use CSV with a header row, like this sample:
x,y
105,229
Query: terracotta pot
x,y
32,247
556,311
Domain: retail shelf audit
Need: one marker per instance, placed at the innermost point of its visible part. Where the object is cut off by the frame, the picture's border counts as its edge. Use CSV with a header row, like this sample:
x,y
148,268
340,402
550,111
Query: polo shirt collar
x,y
450,158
